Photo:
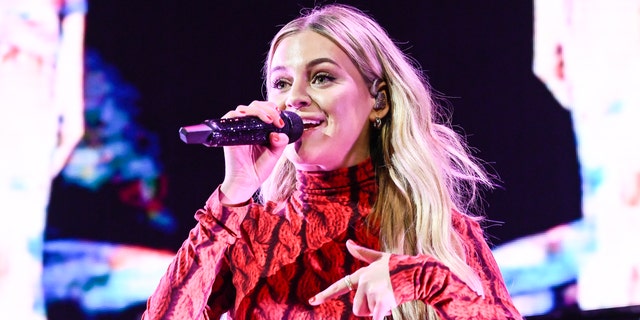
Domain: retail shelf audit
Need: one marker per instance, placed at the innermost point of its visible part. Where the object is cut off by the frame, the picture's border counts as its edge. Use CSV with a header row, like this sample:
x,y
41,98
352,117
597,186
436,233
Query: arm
x,y
424,278
392,279
199,266
68,90
186,288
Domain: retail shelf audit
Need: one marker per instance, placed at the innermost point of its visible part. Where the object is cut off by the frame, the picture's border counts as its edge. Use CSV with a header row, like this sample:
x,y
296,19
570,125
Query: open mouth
x,y
308,124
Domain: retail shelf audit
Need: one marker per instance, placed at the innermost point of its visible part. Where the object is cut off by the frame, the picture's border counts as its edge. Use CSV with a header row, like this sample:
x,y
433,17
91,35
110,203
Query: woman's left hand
x,y
374,293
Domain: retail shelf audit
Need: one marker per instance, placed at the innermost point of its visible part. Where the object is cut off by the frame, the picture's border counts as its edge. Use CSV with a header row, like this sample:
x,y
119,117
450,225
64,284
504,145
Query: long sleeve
x,y
186,287
424,278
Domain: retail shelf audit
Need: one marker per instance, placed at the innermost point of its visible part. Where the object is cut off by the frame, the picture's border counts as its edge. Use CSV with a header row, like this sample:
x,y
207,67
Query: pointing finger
x,y
336,289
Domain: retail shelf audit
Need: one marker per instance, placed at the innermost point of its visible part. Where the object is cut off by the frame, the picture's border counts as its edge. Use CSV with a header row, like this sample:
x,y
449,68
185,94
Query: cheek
x,y
275,98
349,120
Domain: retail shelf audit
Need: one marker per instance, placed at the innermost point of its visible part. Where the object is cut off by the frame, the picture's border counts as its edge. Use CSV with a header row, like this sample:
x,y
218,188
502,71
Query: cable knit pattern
x,y
259,262
424,278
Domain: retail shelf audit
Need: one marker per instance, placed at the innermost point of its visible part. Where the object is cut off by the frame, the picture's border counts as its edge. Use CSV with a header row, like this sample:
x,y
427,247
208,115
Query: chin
x,y
305,160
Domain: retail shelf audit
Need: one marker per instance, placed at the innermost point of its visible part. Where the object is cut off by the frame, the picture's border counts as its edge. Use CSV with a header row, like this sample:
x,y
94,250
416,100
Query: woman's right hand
x,y
248,166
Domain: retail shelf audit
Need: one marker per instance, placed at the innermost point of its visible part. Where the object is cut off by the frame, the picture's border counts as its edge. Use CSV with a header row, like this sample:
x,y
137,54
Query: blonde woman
x,y
363,216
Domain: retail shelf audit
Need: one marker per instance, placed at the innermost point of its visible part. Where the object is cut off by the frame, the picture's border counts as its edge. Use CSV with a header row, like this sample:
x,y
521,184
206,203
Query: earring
x,y
377,123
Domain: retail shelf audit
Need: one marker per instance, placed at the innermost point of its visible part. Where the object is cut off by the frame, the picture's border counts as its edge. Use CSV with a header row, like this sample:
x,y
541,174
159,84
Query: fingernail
x,y
312,300
281,122
276,137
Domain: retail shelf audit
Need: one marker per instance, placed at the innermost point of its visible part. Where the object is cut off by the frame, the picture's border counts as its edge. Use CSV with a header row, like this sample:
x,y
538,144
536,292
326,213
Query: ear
x,y
380,106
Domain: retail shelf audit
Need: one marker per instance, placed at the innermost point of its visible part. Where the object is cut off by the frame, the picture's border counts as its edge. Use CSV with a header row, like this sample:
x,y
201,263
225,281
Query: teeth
x,y
311,122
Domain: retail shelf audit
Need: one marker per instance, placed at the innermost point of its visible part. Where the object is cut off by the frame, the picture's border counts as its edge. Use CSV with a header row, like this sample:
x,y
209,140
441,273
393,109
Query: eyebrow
x,y
311,63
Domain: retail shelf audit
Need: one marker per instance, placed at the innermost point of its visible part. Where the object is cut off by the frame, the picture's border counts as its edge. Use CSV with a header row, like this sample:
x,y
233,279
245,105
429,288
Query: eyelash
x,y
323,75
276,84
280,82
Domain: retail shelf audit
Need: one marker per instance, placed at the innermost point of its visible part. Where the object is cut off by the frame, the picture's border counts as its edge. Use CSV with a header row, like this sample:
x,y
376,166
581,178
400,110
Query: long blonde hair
x,y
423,168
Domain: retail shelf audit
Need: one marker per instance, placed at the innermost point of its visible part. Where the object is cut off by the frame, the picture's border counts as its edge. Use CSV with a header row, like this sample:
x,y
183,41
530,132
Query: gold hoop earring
x,y
377,123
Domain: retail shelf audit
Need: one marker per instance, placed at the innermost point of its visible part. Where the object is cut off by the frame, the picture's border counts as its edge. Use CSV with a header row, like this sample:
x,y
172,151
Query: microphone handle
x,y
239,131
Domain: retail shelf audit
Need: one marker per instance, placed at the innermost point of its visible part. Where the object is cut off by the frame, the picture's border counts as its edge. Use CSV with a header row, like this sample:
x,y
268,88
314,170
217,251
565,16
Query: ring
x,y
347,280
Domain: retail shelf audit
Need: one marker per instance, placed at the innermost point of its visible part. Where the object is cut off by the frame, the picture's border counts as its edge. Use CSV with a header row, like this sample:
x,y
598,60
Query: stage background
x,y
127,203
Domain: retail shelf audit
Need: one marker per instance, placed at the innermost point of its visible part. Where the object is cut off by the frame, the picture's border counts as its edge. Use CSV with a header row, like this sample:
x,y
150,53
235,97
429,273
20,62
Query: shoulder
x,y
465,224
471,232
261,217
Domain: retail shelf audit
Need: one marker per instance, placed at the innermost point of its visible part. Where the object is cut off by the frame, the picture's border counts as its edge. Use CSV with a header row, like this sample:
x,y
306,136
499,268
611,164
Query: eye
x,y
279,84
322,78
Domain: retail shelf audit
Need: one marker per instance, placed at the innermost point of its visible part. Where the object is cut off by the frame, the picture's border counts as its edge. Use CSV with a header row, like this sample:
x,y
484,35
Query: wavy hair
x,y
424,168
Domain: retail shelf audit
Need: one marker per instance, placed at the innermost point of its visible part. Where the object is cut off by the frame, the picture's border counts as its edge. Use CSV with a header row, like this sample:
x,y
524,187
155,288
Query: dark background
x,y
194,60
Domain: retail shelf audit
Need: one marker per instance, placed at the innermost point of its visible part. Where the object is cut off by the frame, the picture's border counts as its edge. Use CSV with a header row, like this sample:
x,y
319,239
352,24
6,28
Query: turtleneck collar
x,y
327,183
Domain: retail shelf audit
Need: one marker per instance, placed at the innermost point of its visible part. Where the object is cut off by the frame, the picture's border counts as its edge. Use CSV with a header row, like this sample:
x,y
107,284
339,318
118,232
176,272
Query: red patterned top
x,y
256,262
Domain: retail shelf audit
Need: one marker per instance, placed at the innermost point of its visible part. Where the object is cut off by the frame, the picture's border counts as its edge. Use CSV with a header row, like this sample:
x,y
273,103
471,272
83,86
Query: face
x,y
312,76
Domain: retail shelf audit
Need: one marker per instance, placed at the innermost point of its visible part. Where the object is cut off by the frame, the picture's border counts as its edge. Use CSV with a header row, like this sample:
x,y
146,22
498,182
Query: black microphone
x,y
240,131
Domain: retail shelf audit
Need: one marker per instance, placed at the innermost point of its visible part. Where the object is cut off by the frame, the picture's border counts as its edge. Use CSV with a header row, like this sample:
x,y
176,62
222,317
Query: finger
x,y
372,303
361,304
255,110
379,312
278,141
362,253
233,114
266,111
337,289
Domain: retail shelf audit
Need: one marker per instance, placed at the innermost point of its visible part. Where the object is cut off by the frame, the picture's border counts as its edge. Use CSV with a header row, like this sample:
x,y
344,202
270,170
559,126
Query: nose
x,y
298,96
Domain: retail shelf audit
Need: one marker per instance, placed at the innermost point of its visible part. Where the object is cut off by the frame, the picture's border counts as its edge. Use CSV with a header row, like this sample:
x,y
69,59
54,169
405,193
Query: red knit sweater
x,y
258,263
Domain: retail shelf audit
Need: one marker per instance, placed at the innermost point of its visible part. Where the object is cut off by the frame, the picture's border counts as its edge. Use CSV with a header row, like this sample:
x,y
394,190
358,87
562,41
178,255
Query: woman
x,y
362,214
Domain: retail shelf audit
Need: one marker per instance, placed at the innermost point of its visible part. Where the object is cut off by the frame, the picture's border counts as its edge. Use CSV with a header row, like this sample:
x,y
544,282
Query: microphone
x,y
240,131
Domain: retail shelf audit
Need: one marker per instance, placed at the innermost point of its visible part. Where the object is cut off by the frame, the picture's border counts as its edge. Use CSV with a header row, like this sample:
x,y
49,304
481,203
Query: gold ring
x,y
347,280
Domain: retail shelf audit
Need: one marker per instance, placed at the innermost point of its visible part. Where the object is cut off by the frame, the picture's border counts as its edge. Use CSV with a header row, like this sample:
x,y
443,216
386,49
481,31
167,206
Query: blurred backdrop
x,y
126,200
